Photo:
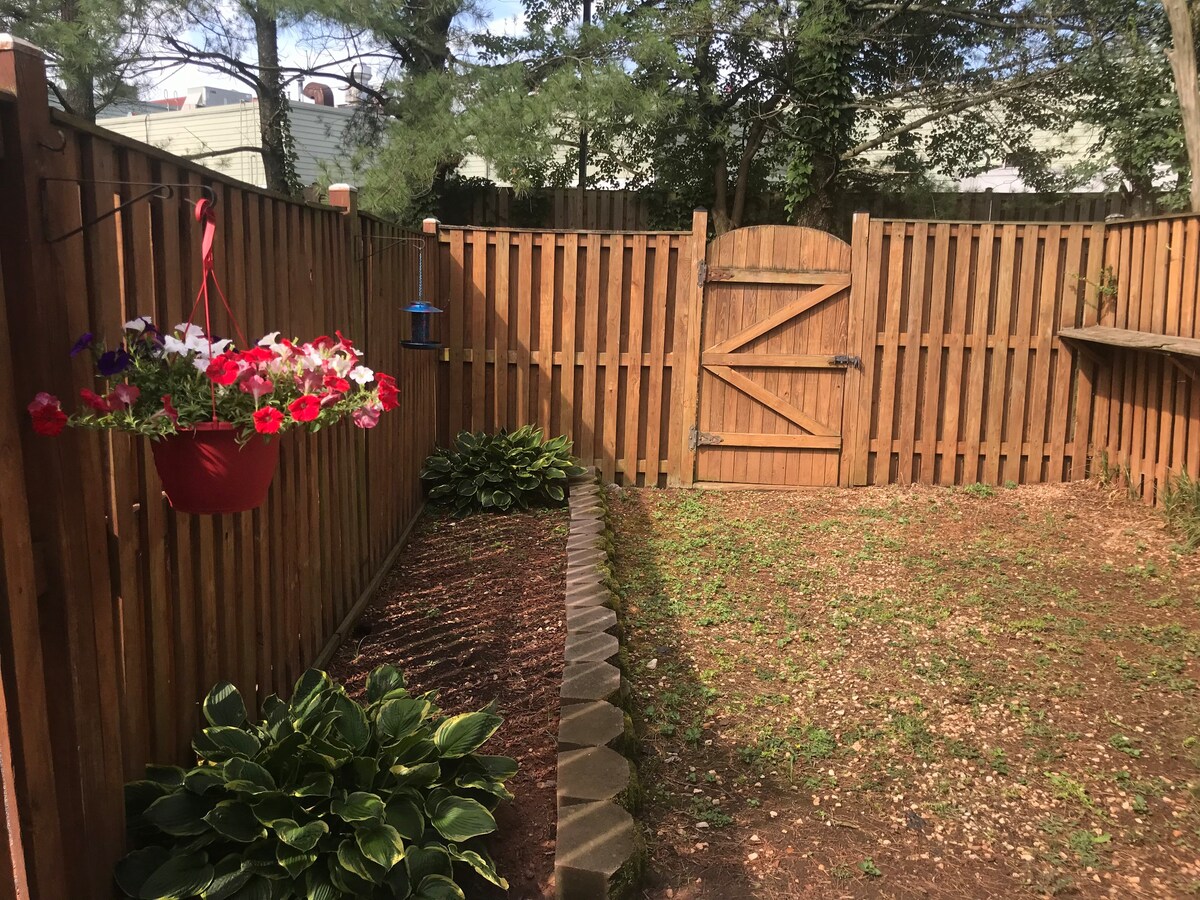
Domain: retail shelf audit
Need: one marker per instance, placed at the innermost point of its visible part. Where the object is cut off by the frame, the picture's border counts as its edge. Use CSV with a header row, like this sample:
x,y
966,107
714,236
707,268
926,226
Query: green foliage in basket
x,y
324,799
501,471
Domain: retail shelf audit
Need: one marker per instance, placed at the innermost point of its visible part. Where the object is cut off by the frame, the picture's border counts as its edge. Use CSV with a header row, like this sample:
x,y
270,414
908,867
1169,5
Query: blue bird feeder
x,y
421,326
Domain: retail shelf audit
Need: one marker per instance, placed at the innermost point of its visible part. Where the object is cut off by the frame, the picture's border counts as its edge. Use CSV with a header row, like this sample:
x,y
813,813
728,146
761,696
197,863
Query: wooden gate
x,y
774,351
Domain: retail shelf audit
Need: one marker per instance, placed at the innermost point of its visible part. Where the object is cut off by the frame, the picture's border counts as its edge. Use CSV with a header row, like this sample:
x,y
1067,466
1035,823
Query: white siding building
x,y
317,131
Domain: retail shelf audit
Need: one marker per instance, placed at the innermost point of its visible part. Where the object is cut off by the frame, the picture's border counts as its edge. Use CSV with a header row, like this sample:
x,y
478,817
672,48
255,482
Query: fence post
x,y
58,761
685,471
856,403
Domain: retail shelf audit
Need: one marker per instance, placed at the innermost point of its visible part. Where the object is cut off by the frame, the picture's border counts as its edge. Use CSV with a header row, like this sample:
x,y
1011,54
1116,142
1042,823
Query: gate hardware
x,y
701,272
852,362
698,438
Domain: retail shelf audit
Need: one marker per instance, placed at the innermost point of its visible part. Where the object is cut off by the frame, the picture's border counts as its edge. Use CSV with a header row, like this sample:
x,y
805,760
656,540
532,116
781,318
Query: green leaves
x,y
461,818
500,472
326,799
381,844
460,735
224,706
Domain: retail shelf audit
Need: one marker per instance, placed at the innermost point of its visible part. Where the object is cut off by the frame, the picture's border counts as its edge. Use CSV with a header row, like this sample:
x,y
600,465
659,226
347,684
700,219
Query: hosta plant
x,y
325,798
501,471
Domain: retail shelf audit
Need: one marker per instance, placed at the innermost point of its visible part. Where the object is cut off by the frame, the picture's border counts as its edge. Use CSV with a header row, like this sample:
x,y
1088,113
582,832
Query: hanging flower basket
x,y
214,409
205,471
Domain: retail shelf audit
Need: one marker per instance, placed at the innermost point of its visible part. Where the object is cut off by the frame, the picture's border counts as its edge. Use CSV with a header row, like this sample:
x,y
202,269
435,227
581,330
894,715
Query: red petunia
x,y
305,408
48,417
337,385
168,410
223,369
389,396
259,355
267,420
95,401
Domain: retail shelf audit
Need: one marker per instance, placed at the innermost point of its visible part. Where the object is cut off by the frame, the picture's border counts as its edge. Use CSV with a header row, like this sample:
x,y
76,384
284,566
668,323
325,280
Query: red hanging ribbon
x,y
206,216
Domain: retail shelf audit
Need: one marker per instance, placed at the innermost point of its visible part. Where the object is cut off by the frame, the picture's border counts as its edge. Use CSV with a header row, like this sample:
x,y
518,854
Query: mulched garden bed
x,y
913,692
473,608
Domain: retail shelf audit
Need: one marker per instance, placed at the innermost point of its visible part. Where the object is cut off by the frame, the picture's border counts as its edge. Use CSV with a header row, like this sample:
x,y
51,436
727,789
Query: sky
x,y
503,17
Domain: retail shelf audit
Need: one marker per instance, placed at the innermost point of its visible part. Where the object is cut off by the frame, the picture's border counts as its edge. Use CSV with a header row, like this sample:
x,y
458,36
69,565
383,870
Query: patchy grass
x,y
899,692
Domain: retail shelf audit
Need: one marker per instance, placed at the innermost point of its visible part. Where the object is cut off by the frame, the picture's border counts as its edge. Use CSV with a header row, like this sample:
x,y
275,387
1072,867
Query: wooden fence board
x,y
139,609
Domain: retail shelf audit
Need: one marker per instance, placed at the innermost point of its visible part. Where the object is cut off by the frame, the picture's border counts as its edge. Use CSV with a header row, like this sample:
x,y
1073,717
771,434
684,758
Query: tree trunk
x,y
1182,56
720,210
274,121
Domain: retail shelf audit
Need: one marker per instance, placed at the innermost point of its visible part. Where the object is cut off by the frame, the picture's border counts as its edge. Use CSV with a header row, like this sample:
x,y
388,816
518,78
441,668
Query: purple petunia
x,y
113,362
85,341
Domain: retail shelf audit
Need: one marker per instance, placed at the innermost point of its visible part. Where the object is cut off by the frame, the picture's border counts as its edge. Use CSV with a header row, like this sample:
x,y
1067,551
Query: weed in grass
x,y
1181,506
1068,789
1086,846
868,868
1125,745
704,810
980,490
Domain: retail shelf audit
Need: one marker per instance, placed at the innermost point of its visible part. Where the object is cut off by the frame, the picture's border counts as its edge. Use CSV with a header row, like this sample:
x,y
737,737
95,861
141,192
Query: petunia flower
x,y
269,340
95,401
257,387
168,410
124,394
267,420
335,384
389,396
85,341
223,369
48,417
174,345
366,416
114,362
189,331
305,408
138,325
361,375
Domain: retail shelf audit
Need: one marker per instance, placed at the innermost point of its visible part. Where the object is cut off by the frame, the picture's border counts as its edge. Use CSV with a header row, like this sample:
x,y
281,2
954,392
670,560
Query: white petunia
x,y
138,325
361,375
189,331
269,340
174,345
201,363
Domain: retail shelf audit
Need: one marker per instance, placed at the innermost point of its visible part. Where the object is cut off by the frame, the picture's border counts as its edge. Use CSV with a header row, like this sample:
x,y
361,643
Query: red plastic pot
x,y
205,472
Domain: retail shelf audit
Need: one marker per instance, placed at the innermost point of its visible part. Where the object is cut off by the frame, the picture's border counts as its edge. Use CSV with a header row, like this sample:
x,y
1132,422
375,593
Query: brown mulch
x,y
473,608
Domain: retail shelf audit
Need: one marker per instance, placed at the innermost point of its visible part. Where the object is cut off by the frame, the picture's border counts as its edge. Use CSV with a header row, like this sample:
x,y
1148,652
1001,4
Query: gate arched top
x,y
787,247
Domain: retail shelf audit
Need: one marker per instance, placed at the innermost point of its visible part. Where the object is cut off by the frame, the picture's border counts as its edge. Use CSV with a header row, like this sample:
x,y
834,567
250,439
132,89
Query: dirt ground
x,y
923,692
474,609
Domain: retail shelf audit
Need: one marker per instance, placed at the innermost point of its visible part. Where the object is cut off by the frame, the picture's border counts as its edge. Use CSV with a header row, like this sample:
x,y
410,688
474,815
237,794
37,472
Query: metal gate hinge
x,y
852,362
701,272
698,438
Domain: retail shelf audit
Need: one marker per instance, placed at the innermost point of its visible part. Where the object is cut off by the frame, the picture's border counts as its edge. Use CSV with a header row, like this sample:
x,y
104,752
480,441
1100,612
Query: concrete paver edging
x,y
599,850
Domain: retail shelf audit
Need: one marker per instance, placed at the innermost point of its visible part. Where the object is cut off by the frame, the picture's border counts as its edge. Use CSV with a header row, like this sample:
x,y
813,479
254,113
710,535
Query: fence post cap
x,y
428,219
342,186
8,42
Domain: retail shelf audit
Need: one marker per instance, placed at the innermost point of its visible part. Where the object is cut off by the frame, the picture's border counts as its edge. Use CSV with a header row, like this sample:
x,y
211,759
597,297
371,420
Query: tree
x,y
89,46
1182,55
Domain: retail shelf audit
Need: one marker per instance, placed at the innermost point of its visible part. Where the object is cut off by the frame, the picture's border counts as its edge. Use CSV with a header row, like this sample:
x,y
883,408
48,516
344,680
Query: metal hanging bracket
x,y
157,190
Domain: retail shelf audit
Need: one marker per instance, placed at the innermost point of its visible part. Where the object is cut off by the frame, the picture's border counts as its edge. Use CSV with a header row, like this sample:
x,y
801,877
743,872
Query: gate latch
x,y
852,362
697,438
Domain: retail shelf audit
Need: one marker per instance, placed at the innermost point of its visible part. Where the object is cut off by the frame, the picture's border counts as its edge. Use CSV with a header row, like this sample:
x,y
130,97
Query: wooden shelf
x,y
1133,340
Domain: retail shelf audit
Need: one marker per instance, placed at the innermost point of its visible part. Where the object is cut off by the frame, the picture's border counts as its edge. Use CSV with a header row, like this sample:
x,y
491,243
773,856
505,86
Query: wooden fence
x,y
117,614
578,333
1145,417
635,210
963,377
966,379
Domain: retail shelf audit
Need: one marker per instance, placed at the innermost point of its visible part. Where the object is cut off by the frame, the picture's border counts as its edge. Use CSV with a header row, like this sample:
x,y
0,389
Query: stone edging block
x,y
598,852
